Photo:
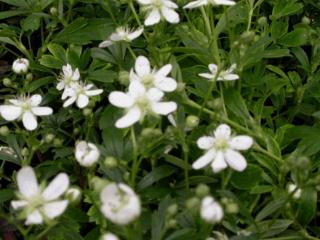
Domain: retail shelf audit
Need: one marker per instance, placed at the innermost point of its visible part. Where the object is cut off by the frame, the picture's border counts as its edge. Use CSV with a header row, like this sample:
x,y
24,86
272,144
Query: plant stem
x,y
135,163
206,20
132,52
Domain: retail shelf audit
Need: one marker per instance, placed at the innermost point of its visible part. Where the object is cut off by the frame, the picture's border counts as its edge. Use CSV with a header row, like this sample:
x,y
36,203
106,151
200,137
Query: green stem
x,y
45,231
132,52
135,163
206,20
136,16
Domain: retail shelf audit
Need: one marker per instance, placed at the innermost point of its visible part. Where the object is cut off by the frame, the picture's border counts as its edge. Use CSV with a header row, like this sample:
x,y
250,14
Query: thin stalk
x,y
132,52
135,163
136,16
206,20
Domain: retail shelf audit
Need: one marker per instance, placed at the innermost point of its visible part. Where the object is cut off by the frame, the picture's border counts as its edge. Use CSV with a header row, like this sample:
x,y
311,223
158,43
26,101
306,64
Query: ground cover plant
x,y
159,119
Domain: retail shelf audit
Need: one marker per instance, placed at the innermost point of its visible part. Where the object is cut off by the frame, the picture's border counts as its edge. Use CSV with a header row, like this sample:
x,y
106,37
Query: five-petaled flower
x,y
224,75
152,78
86,153
67,79
199,3
222,150
40,204
120,204
20,65
122,34
159,8
138,102
211,211
26,108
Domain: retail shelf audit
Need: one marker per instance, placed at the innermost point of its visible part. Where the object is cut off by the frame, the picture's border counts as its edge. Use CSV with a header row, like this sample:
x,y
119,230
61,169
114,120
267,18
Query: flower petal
x,y
94,92
105,43
152,18
136,89
120,99
241,142
207,75
218,163
170,4
29,121
142,66
166,84
144,2
204,160
9,112
225,2
76,75
170,15
230,77
235,160
55,209
56,187
34,218
82,101
135,34
205,142
27,182
41,111
70,101
164,71
196,4
35,100
18,204
222,131
213,68
163,108
154,94
132,116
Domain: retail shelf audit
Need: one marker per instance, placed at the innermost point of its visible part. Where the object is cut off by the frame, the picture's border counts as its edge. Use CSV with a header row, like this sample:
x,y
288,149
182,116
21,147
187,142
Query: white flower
x,y
20,65
73,194
121,34
27,108
40,205
222,150
159,8
80,93
199,3
152,78
293,187
109,236
211,211
120,204
86,153
138,102
227,75
67,78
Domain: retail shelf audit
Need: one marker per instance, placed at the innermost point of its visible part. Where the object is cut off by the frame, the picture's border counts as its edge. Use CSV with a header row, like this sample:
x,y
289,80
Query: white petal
x,y
94,92
225,2
133,76
170,4
207,75
153,18
218,163
154,94
120,99
35,100
55,209
222,131
9,112
170,15
18,204
56,187
67,70
166,84
131,117
136,89
106,43
164,108
205,142
241,142
196,4
27,182
34,218
164,71
82,101
145,2
70,101
29,121
213,68
76,75
115,37
230,77
142,66
235,160
204,160
135,34
60,85
41,111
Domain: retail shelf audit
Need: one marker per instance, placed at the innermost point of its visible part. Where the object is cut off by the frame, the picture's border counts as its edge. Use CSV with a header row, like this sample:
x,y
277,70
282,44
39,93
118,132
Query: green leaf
x,y
240,179
51,62
307,208
236,104
8,14
297,37
270,208
17,3
286,8
6,194
102,75
57,51
31,22
34,85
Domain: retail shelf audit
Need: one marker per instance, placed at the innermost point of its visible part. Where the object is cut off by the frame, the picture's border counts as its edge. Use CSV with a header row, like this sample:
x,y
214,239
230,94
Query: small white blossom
x,y
109,236
120,204
26,108
73,194
121,34
138,102
67,78
159,8
40,204
199,3
293,187
152,78
211,211
79,93
226,75
20,65
222,150
86,153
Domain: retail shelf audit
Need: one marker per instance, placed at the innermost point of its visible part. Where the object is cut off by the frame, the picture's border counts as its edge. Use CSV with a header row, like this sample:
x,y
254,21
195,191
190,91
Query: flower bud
x,y
57,142
192,121
150,133
109,236
110,162
202,190
305,20
181,86
49,138
262,21
73,194
25,152
53,11
193,204
20,66
76,131
232,208
294,188
172,223
172,209
7,82
124,78
211,211
86,153
4,131
29,77
87,112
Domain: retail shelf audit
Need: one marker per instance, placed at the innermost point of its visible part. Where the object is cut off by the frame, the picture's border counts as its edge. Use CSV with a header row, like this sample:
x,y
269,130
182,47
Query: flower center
x,y
221,144
25,106
158,3
121,201
148,80
142,102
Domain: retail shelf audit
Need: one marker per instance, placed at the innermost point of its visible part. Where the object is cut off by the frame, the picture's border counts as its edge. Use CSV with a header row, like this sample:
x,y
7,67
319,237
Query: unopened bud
x,y
49,138
7,82
262,21
305,20
124,78
192,121
110,162
202,190
172,209
4,131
